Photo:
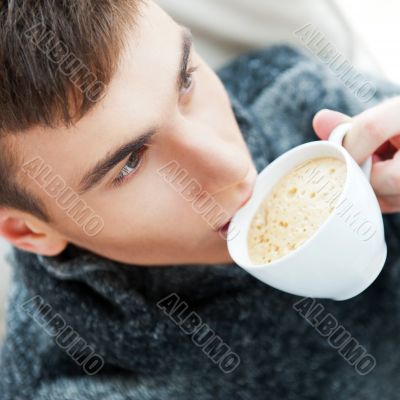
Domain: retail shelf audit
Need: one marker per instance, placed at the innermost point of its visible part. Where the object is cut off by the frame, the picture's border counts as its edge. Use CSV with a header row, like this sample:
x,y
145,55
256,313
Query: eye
x,y
188,80
131,166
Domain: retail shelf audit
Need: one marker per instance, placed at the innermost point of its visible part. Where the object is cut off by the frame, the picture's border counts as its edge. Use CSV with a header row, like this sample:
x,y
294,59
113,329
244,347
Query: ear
x,y
29,234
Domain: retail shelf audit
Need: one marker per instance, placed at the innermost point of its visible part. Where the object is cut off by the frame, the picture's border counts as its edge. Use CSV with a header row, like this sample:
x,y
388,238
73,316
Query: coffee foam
x,y
295,208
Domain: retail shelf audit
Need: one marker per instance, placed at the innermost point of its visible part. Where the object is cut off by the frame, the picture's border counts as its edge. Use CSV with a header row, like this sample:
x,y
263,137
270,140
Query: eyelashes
x,y
131,166
188,80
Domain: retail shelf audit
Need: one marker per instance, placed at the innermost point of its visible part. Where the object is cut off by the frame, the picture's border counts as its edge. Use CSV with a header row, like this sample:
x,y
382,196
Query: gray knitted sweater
x,y
83,327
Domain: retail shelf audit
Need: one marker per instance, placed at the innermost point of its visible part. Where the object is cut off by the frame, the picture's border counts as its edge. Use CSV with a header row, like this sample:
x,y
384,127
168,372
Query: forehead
x,y
138,97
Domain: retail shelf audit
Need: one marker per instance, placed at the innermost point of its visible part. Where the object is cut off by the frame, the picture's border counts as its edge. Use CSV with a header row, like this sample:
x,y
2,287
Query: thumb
x,y
327,120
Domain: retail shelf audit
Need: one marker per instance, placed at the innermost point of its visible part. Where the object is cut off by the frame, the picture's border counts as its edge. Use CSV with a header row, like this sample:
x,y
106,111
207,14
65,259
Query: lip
x,y
224,227
247,198
250,179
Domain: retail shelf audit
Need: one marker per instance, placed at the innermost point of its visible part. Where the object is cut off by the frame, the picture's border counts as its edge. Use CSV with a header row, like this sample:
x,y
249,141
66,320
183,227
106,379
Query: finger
x,y
326,120
389,204
372,128
385,176
395,141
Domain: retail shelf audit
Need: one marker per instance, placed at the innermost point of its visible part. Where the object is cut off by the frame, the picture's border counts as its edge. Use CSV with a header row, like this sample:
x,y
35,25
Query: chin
x,y
219,255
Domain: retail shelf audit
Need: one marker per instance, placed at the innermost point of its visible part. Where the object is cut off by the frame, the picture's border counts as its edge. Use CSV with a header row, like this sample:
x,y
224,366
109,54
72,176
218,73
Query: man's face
x,y
192,136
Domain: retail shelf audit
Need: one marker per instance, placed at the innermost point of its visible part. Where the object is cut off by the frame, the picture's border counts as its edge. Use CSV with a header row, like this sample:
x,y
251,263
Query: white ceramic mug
x,y
345,255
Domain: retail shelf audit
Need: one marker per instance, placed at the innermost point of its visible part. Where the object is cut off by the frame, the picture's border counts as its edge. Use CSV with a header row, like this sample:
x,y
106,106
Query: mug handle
x,y
337,137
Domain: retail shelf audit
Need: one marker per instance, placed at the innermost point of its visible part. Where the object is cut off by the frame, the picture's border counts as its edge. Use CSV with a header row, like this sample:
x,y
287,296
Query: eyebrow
x,y
97,173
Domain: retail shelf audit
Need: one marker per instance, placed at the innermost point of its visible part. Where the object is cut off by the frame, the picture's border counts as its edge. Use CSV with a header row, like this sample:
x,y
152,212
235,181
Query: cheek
x,y
396,141
151,205
216,89
212,101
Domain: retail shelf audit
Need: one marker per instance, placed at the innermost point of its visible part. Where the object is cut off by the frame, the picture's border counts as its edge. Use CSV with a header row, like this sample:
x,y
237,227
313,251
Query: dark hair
x,y
56,59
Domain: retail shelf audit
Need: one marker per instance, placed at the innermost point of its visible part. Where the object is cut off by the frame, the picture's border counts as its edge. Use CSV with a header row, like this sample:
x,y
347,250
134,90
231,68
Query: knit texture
x,y
113,307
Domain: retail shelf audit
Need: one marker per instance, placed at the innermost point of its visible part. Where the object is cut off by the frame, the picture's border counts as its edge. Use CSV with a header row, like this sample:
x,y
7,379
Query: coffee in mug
x,y
295,208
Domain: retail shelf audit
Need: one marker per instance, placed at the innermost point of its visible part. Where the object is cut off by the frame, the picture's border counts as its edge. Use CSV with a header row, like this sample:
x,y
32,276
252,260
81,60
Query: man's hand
x,y
374,132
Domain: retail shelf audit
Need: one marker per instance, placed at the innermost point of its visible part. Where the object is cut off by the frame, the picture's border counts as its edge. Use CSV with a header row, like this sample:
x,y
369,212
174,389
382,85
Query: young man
x,y
123,288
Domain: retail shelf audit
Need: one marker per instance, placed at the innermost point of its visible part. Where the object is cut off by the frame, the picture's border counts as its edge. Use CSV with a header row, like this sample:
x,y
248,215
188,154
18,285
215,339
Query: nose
x,y
213,160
